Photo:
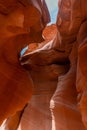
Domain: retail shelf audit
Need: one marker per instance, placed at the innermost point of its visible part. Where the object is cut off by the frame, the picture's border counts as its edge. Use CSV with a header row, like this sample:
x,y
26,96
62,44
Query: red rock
x,y
58,70
60,50
81,72
17,19
49,32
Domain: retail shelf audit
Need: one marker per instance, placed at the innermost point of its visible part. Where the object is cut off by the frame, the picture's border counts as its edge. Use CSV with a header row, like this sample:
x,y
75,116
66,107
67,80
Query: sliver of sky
x,y
53,9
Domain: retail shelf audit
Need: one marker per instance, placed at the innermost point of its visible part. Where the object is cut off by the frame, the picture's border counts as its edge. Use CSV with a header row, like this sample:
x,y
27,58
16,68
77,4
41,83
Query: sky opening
x,y
53,9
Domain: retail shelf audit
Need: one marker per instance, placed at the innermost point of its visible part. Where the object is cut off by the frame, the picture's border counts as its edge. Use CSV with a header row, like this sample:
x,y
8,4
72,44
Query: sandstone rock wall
x,y
68,47
58,71
19,19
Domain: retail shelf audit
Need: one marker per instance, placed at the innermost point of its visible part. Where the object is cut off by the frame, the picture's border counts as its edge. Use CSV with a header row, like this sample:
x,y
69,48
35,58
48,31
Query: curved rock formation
x,y
63,50
58,70
63,104
19,19
81,72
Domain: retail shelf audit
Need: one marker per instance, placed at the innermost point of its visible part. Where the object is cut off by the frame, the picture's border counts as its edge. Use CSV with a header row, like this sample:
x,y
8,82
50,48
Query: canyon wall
x,y
57,68
21,22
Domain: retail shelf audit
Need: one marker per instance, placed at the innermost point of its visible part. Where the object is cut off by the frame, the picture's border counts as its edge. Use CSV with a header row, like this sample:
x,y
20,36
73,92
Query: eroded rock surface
x,y
63,49
21,22
58,70
81,72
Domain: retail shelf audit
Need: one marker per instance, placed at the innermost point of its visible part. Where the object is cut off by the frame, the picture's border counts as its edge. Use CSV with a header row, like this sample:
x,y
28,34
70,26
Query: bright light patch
x,y
52,4
53,9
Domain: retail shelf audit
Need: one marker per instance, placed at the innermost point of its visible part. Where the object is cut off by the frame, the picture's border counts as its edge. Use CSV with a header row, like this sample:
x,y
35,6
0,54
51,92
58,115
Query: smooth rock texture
x,y
58,71
19,19
45,82
67,47
81,72
63,104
